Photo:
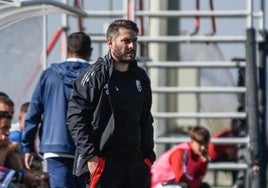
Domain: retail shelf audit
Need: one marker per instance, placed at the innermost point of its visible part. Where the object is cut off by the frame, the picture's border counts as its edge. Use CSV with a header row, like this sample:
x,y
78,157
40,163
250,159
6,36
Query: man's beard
x,y
121,57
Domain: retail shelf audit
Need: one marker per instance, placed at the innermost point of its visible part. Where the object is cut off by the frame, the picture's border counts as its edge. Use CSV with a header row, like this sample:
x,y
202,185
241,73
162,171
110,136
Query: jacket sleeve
x,y
79,116
147,125
176,162
33,118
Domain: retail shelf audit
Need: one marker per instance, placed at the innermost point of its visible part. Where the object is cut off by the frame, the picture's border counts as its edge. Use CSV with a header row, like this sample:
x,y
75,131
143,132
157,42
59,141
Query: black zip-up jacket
x,y
90,116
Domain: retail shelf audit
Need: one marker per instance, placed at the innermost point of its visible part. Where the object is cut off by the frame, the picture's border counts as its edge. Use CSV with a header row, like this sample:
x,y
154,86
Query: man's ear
x,y
109,42
89,54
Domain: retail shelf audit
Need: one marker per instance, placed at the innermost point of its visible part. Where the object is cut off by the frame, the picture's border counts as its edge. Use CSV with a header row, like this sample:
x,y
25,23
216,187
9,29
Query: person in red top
x,y
224,152
185,164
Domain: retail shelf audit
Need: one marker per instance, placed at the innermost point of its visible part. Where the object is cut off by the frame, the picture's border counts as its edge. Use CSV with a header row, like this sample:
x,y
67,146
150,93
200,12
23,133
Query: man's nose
x,y
131,45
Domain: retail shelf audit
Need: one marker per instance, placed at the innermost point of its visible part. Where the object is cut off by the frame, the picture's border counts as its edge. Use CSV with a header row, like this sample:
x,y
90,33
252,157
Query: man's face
x,y
123,47
5,125
6,108
22,117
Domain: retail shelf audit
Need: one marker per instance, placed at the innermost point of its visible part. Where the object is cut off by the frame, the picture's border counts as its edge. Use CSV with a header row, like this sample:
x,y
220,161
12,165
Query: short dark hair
x,y
79,43
112,31
3,94
6,100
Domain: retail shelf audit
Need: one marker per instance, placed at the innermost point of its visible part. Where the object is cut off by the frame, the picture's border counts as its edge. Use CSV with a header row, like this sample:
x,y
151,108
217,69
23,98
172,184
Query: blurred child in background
x,y
185,164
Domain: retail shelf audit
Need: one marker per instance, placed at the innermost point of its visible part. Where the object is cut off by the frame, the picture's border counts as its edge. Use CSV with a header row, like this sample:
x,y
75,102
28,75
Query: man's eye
x,y
5,127
128,41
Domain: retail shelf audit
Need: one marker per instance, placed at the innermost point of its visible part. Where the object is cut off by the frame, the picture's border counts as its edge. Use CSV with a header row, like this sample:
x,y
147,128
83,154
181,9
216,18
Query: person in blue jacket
x,y
48,108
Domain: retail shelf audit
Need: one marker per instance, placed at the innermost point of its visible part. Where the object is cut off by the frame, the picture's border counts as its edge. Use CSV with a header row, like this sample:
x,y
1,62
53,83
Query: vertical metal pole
x,y
172,50
125,5
79,4
263,49
262,19
44,52
263,104
158,27
250,13
64,24
252,105
131,10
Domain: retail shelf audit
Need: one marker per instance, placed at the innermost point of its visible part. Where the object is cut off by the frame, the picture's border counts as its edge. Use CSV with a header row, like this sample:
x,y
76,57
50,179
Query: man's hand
x,y
28,157
4,141
92,164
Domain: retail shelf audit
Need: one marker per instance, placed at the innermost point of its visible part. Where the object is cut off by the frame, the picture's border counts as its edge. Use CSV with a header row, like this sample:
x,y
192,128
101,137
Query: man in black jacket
x,y
109,115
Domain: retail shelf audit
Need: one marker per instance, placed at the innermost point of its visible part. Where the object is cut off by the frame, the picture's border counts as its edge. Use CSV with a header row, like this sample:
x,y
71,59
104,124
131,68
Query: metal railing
x,y
252,18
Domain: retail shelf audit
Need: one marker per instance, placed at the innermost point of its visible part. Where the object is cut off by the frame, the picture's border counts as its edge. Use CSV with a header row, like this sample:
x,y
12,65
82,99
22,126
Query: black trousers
x,y
125,173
